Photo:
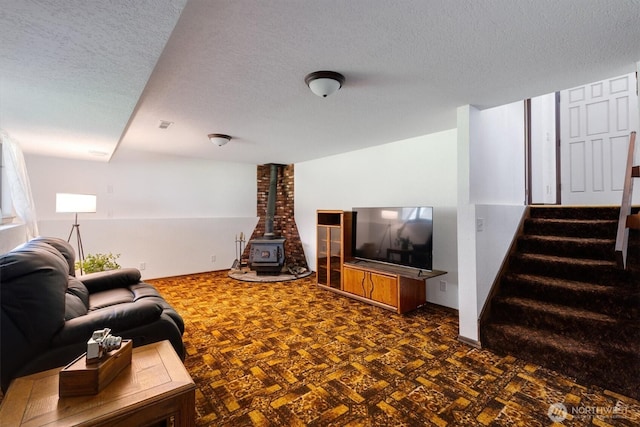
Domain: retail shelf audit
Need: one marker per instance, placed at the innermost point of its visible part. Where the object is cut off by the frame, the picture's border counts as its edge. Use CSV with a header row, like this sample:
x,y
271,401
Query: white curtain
x,y
19,185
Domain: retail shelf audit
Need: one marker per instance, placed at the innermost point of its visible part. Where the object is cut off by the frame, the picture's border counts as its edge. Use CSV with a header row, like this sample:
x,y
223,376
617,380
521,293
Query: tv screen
x,y
400,235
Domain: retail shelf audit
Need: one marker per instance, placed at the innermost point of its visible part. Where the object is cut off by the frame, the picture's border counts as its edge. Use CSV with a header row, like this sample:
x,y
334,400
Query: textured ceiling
x,y
71,71
77,69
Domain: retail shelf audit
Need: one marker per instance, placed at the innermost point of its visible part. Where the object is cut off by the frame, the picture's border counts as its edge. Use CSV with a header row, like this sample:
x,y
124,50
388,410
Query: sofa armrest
x,y
103,280
118,317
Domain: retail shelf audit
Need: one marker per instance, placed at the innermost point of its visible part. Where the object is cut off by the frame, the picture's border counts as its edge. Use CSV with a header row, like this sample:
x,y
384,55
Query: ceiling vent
x,y
98,153
164,124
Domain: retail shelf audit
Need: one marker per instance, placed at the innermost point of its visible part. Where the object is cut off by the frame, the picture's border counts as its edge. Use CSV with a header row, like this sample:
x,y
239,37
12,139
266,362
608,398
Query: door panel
x,y
577,166
596,120
384,289
354,281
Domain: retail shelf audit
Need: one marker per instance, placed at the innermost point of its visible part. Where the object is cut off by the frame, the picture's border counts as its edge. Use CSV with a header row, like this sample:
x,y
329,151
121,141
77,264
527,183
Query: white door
x,y
595,122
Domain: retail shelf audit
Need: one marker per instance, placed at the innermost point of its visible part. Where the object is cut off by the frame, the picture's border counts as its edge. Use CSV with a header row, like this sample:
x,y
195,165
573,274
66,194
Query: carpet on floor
x,y
292,354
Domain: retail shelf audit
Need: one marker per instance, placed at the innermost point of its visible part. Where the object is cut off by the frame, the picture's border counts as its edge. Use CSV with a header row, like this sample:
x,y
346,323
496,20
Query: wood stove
x,y
266,255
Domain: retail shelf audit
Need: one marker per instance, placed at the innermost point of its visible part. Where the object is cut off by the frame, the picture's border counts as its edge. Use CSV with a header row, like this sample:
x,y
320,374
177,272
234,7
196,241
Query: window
x,y
6,209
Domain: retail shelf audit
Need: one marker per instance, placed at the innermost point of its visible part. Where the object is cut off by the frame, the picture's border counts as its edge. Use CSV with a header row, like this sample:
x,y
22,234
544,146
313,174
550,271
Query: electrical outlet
x,y
479,224
143,265
443,286
213,258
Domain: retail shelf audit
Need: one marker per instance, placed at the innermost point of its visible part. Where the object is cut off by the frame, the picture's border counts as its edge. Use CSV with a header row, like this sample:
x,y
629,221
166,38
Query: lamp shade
x,y
69,202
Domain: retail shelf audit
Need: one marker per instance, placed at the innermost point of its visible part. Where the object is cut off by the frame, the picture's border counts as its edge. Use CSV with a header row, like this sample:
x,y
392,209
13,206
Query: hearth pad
x,y
251,276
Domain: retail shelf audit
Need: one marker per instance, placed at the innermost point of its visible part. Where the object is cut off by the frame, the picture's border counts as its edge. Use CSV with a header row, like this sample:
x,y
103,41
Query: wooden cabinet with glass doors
x,y
334,244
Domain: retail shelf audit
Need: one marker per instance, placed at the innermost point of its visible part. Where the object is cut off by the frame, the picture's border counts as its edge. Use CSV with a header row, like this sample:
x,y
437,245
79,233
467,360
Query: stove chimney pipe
x,y
271,202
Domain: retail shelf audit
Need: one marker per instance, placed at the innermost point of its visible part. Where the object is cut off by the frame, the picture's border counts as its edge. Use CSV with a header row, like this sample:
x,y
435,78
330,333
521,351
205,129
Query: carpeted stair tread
x,y
597,271
629,347
571,221
521,337
571,228
569,260
573,285
561,311
576,286
592,362
579,247
577,240
576,212
619,301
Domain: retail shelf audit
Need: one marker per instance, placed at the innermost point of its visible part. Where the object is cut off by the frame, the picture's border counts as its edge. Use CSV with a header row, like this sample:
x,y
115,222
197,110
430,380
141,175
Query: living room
x,y
173,214
175,231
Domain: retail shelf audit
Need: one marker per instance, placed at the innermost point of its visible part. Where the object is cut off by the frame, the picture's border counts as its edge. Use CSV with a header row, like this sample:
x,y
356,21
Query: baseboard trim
x,y
468,341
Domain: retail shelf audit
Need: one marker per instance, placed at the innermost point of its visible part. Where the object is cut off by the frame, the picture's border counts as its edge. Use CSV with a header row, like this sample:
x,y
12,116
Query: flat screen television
x,y
400,235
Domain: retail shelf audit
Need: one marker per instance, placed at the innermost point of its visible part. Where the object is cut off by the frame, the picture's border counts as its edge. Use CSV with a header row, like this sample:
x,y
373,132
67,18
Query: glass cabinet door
x,y
335,257
333,246
323,255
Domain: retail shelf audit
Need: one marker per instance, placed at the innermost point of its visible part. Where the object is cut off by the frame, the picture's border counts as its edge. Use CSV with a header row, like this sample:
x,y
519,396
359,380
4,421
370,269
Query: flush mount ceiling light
x,y
324,83
219,139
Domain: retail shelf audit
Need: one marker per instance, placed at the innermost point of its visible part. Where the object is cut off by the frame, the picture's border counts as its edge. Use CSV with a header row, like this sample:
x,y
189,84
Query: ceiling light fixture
x,y
324,83
219,139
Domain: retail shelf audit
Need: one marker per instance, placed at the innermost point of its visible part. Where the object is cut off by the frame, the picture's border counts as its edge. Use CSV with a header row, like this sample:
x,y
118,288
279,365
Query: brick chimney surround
x,y
284,224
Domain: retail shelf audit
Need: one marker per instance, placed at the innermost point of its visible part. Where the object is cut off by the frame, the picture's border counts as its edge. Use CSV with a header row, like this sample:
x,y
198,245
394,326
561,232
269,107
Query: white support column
x,y
467,274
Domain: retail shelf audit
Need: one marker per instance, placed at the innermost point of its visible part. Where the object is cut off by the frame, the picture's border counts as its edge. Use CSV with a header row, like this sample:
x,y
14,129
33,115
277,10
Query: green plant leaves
x,y
99,262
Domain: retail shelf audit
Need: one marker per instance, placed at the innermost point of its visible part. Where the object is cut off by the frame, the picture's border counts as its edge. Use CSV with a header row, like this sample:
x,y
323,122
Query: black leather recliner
x,y
47,314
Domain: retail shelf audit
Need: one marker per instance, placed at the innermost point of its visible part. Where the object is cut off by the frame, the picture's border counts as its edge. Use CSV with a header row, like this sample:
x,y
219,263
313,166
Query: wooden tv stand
x,y
394,288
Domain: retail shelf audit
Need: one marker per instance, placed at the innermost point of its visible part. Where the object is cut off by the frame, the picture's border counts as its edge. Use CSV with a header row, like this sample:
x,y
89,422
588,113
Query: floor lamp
x,y
76,203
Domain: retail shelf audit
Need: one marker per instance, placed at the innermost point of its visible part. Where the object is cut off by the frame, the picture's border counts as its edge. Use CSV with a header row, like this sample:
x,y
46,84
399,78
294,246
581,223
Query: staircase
x,y
561,301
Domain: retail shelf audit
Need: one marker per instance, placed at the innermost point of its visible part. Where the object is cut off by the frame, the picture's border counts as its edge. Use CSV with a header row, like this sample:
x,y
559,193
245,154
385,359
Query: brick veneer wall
x,y
284,224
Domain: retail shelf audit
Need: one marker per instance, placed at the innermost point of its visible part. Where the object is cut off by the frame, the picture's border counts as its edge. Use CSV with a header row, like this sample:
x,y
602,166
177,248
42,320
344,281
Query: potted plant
x,y
98,262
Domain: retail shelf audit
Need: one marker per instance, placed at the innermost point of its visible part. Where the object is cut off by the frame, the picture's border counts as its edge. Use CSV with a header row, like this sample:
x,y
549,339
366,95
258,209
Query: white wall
x,y
416,171
490,201
493,239
467,290
497,167
172,214
497,188
543,149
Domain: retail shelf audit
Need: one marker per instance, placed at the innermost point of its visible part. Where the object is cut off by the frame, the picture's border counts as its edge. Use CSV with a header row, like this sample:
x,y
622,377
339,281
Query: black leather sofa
x,y
48,314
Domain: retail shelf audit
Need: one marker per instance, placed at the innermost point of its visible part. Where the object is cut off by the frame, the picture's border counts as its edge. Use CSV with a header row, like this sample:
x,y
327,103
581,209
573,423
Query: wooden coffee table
x,y
155,388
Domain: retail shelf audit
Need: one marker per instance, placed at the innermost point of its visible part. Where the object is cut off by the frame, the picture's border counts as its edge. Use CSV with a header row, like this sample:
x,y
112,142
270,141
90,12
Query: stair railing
x,y
625,220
